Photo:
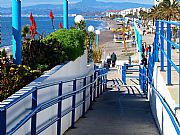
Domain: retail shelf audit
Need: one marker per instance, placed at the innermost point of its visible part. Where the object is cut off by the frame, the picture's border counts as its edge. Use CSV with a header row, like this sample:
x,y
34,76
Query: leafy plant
x,y
97,55
72,42
13,77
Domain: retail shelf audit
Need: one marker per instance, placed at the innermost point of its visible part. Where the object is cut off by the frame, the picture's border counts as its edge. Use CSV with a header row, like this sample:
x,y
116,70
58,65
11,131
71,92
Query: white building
x,y
156,2
110,13
133,11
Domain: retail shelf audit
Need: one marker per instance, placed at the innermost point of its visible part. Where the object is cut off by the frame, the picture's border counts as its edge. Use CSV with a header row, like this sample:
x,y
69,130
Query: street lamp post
x,y
90,29
97,38
65,14
16,32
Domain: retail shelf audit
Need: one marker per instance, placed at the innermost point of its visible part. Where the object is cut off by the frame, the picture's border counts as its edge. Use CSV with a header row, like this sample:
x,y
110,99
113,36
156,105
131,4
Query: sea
x,y
44,25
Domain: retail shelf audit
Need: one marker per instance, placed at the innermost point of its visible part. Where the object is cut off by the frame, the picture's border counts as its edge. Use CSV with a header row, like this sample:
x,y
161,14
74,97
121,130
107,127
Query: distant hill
x,y
86,7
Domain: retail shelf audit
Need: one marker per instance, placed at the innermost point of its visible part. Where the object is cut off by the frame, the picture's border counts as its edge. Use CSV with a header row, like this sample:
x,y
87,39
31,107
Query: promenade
x,y
119,111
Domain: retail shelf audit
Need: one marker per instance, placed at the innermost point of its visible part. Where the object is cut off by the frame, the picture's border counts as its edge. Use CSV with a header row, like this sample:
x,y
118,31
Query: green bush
x,y
72,41
13,77
39,55
60,46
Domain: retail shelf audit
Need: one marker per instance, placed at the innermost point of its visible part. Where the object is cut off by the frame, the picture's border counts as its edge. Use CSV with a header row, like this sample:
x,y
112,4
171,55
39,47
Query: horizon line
x,y
54,3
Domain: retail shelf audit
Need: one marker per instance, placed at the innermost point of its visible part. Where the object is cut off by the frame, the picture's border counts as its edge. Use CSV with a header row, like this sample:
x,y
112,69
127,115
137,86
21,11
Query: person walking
x,y
149,48
144,61
113,58
108,60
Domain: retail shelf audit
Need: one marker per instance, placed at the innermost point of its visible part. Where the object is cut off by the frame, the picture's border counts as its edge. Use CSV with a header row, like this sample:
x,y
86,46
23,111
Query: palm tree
x,y
154,14
170,10
166,10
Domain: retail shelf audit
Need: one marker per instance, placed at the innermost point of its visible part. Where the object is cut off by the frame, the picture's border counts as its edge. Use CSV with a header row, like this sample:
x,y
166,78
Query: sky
x,y
7,3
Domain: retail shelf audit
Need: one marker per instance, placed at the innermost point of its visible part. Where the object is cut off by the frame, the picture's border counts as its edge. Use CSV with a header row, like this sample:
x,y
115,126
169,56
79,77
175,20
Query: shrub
x,y
60,46
39,55
13,77
72,41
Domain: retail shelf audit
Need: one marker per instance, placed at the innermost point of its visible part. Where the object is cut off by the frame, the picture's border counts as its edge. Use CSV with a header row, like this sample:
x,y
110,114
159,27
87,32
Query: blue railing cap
x,y
170,22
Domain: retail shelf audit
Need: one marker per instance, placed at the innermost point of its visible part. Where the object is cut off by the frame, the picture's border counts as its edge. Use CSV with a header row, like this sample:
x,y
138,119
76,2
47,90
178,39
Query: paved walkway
x,y
119,111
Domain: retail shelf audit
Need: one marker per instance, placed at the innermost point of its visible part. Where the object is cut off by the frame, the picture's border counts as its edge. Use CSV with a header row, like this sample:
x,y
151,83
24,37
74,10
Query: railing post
x,y
149,68
94,95
144,80
73,105
98,85
100,73
104,80
3,122
124,74
156,45
34,117
162,46
168,54
140,76
84,97
91,92
59,110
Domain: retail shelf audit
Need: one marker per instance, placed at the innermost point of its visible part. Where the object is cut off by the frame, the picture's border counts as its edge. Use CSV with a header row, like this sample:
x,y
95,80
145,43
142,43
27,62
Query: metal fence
x,y
167,32
162,51
97,84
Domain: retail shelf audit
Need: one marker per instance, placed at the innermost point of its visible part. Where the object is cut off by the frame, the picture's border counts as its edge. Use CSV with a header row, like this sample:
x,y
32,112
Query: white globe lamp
x,y
97,32
91,28
78,19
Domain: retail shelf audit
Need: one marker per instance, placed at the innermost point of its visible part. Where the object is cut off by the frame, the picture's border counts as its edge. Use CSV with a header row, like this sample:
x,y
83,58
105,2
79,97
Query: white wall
x,y
71,70
159,112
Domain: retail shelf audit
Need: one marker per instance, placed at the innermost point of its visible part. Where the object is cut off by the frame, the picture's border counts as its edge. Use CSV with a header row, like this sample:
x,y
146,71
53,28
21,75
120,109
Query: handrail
x,y
169,110
51,102
170,22
174,44
159,45
174,120
172,63
41,86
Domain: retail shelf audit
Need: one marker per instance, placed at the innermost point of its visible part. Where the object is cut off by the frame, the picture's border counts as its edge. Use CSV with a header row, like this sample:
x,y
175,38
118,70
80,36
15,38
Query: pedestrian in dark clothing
x,y
108,60
146,50
113,58
149,48
143,49
144,60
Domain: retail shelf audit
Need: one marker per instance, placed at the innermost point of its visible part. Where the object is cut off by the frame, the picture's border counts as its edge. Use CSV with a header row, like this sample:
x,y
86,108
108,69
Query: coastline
x,y
105,38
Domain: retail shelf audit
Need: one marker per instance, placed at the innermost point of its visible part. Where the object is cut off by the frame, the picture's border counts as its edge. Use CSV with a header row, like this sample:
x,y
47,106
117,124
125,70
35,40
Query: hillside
x,y
84,8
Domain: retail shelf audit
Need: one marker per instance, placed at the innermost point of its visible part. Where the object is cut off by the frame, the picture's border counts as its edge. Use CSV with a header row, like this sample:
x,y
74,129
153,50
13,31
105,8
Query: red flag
x,y
34,25
60,25
31,18
51,15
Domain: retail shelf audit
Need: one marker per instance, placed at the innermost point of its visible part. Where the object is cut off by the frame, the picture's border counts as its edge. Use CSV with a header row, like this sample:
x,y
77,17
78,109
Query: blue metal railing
x,y
142,78
164,33
165,104
159,48
149,76
97,82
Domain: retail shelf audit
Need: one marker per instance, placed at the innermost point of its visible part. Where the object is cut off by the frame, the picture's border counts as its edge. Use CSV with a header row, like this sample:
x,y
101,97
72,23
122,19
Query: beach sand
x,y
109,46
